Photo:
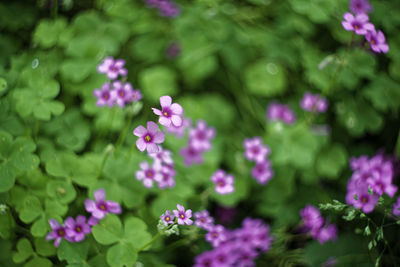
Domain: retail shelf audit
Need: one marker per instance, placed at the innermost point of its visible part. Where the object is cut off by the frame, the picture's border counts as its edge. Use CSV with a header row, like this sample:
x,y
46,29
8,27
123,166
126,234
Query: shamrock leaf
x,y
81,170
48,31
25,252
37,98
74,253
331,160
15,157
8,121
71,129
125,241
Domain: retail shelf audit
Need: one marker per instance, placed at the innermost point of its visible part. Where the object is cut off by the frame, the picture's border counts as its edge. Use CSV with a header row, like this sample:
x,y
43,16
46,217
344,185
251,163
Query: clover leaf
x,y
126,241
25,253
15,157
37,98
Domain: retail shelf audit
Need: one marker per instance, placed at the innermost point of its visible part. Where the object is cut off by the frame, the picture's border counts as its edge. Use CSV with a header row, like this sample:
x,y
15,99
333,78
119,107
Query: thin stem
x,y
124,132
149,243
107,153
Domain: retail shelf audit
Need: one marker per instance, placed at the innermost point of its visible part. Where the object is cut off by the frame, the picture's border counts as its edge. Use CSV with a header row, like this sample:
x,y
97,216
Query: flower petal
x,y
176,109
90,205
165,101
157,111
113,207
100,194
176,120
152,148
140,131
54,224
348,17
141,144
69,222
152,127
159,138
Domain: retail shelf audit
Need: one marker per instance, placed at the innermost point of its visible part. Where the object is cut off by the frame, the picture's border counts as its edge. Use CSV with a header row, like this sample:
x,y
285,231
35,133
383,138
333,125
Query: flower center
x,y
167,219
255,150
149,174
61,232
106,95
373,41
121,93
182,216
147,138
364,199
78,229
102,207
201,135
215,235
221,183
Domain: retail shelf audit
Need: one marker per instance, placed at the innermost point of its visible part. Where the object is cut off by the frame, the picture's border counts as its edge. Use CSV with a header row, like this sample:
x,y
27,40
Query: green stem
x,y
124,132
107,153
104,131
150,242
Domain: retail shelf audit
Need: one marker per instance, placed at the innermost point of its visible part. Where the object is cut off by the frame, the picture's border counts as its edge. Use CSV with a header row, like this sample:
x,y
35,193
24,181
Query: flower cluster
x,y
223,182
360,25
239,247
256,151
313,223
199,142
370,179
170,116
179,216
276,111
74,230
116,92
166,8
161,171
314,103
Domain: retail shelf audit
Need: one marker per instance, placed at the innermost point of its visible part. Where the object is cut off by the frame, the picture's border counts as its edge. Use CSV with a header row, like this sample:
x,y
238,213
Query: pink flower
x,y
112,68
148,174
377,41
100,207
223,182
359,24
149,138
170,113
182,215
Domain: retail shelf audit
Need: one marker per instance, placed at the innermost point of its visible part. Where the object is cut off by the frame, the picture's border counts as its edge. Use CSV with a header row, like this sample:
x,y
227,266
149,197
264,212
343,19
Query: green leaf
x,y
77,70
136,232
31,209
157,81
62,190
331,160
265,78
38,261
48,31
24,251
44,248
36,99
121,255
74,253
3,85
108,231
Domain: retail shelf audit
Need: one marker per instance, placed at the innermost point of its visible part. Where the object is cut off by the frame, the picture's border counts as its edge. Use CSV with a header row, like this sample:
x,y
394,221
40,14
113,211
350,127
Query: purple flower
x,y
112,68
206,259
173,50
216,235
179,131
396,207
262,172
170,113
201,135
104,96
377,41
167,217
326,233
77,229
311,217
191,155
166,178
162,156
223,182
148,174
100,207
58,233
359,24
255,149
313,103
276,111
122,93
149,138
331,262
203,220
182,215
360,6
135,96
374,173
